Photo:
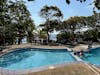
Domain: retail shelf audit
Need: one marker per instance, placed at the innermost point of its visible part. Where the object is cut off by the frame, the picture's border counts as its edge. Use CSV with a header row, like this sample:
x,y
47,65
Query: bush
x,y
64,37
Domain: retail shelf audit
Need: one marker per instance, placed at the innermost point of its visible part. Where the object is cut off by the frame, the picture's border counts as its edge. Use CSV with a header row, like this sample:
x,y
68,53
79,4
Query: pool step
x,y
95,68
92,67
76,57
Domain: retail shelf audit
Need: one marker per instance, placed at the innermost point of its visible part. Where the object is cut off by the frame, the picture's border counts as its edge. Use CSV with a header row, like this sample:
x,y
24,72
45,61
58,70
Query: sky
x,y
74,9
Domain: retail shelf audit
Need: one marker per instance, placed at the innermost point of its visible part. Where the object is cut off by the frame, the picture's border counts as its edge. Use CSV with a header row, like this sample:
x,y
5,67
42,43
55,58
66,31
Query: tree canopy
x,y
52,15
15,21
71,26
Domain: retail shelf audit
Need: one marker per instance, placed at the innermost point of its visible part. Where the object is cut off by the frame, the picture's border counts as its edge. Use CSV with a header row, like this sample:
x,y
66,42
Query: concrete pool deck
x,y
71,69
12,47
78,47
76,68
60,69
84,47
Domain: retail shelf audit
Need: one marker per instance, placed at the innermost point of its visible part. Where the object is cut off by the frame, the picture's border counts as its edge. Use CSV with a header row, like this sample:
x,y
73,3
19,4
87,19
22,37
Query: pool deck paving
x,y
14,47
72,69
63,69
78,47
83,47
58,69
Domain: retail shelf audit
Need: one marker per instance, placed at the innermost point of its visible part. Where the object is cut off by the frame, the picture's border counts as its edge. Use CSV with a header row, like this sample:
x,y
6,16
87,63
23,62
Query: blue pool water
x,y
93,57
29,58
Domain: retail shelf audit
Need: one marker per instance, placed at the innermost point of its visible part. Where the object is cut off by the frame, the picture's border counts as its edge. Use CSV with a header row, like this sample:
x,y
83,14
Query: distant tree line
x,y
72,29
68,28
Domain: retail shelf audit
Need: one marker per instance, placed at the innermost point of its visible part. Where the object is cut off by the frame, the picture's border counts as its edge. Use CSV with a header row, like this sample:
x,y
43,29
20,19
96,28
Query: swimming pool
x,y
93,57
34,57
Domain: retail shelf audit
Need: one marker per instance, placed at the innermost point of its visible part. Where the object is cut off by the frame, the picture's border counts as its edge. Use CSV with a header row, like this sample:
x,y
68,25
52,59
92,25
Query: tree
x,y
64,37
72,24
30,26
30,0
50,14
93,21
91,35
21,19
15,21
41,33
95,2
4,19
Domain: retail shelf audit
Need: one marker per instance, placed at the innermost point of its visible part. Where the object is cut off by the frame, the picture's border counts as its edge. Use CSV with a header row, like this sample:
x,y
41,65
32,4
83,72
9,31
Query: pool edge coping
x,y
89,65
37,69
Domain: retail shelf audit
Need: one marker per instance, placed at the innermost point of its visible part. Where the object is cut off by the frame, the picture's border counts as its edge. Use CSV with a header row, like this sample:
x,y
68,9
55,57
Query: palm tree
x,y
50,13
40,32
39,35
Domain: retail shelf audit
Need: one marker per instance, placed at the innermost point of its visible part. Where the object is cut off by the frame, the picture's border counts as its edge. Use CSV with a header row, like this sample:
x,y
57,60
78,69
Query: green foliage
x,y
64,37
73,24
15,20
41,34
76,22
91,35
53,24
30,0
93,20
52,15
99,35
68,1
96,3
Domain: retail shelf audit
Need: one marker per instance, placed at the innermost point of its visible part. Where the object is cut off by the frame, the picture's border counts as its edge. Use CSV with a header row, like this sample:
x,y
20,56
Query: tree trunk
x,y
48,38
73,37
19,41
